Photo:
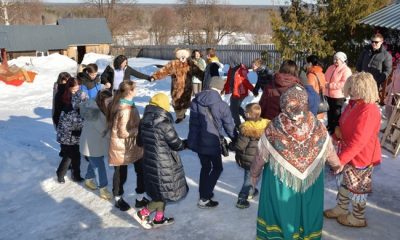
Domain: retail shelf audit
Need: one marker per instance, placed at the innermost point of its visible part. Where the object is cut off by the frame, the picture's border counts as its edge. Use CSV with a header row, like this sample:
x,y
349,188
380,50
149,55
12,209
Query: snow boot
x,y
342,207
122,205
89,183
242,203
356,218
105,194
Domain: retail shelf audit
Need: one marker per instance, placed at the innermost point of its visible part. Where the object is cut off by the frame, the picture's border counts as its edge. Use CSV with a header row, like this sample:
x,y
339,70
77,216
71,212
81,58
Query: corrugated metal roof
x,y
388,17
4,43
34,37
82,31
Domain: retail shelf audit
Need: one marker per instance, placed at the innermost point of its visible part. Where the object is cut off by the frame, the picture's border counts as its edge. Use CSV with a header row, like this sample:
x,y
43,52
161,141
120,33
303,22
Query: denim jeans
x,y
97,169
247,187
211,169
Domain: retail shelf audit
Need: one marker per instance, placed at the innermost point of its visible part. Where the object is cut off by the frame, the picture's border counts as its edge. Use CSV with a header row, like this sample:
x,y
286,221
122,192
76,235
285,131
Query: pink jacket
x,y
335,78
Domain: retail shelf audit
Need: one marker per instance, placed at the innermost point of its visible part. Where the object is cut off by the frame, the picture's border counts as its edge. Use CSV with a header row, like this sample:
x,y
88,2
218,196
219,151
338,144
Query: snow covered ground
x,y
34,206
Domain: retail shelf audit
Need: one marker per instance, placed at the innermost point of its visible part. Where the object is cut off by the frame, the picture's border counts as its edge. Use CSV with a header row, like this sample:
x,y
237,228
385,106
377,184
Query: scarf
x,y
296,141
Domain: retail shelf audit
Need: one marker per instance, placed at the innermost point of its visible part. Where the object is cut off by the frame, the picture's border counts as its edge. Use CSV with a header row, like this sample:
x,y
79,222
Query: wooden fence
x,y
247,53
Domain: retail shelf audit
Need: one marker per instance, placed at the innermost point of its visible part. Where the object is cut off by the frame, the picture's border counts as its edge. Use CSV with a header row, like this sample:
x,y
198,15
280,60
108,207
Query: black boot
x,y
122,205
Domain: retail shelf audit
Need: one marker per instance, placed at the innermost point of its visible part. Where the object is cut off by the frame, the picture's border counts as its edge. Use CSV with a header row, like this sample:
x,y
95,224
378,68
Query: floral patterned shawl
x,y
295,142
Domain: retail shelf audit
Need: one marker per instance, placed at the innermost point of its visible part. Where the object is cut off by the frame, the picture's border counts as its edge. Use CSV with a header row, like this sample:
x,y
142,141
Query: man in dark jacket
x,y
264,75
208,115
375,60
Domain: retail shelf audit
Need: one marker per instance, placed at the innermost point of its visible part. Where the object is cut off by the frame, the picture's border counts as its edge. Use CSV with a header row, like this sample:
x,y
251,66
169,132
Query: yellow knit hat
x,y
161,100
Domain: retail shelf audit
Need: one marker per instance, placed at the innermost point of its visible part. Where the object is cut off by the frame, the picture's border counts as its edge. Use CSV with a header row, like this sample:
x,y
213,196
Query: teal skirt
x,y
286,214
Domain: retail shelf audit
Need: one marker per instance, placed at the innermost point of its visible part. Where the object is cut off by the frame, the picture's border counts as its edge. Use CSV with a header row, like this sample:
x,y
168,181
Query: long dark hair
x,y
91,68
118,61
123,91
67,95
314,60
101,98
63,76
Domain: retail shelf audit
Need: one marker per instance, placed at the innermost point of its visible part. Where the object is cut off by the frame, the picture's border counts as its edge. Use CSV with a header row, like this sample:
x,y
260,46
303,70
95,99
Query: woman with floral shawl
x,y
293,150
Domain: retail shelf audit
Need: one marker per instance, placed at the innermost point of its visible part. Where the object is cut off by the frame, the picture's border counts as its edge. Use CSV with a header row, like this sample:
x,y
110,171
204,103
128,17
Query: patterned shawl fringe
x,y
291,180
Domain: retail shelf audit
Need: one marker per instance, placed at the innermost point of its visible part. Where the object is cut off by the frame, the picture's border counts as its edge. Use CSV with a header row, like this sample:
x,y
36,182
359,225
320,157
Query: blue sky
x,y
242,2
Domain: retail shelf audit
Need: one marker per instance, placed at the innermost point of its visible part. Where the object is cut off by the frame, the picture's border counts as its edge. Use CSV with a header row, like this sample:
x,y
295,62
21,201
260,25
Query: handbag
x,y
222,141
323,103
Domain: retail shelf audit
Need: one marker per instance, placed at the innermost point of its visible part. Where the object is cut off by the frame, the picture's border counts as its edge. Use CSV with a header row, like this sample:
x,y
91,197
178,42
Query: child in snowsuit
x,y
246,149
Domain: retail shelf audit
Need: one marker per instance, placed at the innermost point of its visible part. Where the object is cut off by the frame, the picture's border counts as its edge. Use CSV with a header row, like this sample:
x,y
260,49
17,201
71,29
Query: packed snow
x,y
33,205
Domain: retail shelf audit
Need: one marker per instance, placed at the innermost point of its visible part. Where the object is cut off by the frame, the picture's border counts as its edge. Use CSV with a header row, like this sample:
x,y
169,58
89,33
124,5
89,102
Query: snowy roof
x,y
387,17
82,31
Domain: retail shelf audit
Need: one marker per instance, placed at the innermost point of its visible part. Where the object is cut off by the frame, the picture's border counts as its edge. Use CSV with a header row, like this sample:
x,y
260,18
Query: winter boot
x,y
163,222
356,218
122,205
89,183
142,203
342,207
242,203
105,194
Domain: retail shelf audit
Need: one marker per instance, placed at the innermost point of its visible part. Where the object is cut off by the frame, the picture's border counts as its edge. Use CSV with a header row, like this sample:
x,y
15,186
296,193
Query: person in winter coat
x,y
284,79
208,115
59,86
316,77
94,142
393,88
359,149
292,151
375,60
201,64
123,123
264,75
163,170
89,81
69,126
238,85
181,71
118,72
336,76
212,68
246,149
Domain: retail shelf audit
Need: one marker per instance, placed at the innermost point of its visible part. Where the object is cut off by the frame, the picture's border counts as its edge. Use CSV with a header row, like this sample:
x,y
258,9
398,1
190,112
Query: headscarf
x,y
296,141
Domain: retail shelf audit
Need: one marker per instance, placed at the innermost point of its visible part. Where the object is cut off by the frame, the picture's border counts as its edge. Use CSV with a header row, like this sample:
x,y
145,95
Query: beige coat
x,y
123,149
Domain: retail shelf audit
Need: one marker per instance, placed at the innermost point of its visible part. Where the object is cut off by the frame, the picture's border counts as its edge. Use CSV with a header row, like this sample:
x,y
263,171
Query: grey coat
x,y
93,142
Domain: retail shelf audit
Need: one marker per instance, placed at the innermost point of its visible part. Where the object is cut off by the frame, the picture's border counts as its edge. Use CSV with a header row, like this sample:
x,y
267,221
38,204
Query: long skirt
x,y
286,214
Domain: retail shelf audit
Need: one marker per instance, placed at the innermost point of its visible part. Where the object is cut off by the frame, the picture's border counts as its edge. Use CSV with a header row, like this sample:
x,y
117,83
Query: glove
x,y
231,146
185,144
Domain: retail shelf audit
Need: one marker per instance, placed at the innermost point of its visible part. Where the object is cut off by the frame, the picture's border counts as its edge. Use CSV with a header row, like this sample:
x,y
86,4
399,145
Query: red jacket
x,y
359,124
241,84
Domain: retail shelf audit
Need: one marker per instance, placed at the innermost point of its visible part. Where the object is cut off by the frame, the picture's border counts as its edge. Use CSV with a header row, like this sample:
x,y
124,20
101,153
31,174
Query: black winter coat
x,y
204,135
246,145
108,75
164,176
378,63
264,77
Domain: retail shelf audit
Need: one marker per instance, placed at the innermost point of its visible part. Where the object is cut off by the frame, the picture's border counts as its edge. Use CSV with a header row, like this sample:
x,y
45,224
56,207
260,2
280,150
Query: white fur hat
x,y
180,53
341,56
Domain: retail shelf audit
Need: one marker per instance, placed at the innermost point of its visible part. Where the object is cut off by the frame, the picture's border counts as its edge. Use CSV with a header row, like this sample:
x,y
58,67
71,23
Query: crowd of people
x,y
283,136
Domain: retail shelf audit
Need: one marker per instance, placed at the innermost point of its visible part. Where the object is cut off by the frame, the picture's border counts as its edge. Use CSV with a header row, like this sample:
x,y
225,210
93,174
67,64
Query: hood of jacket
x,y
285,80
155,114
89,110
254,129
208,97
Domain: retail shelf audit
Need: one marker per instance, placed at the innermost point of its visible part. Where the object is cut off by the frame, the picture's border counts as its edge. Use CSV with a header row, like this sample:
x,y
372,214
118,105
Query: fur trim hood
x,y
254,129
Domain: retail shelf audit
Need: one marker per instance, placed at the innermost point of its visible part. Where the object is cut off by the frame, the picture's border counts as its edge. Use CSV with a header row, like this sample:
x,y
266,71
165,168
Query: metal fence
x,y
247,53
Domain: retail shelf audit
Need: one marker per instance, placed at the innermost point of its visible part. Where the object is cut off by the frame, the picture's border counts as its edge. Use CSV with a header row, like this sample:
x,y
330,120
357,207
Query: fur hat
x,y
180,53
160,100
217,82
341,56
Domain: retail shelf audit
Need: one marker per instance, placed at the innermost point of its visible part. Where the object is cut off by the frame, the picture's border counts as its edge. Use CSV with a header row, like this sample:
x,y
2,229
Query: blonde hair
x,y
253,111
361,86
258,62
123,91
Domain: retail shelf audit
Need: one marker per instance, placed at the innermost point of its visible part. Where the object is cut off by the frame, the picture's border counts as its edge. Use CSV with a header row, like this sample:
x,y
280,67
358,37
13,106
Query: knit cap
x,y
341,56
160,100
217,82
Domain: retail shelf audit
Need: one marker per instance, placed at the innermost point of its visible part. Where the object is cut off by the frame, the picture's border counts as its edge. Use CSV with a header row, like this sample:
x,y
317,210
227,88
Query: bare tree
x,y
5,6
163,24
105,8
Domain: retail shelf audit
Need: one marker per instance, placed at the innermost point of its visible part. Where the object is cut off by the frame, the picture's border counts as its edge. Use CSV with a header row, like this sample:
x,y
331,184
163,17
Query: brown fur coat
x,y
181,81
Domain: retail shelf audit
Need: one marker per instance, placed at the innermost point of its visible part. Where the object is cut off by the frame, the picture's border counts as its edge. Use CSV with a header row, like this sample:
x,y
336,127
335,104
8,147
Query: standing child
x,y
94,142
163,170
246,149
123,122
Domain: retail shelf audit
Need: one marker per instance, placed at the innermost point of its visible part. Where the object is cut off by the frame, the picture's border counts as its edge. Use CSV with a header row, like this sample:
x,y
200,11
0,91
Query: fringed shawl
x,y
296,143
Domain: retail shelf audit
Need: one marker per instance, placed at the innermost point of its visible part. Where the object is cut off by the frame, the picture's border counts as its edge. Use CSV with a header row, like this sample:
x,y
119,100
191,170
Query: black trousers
x,y
121,174
334,113
71,156
211,169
